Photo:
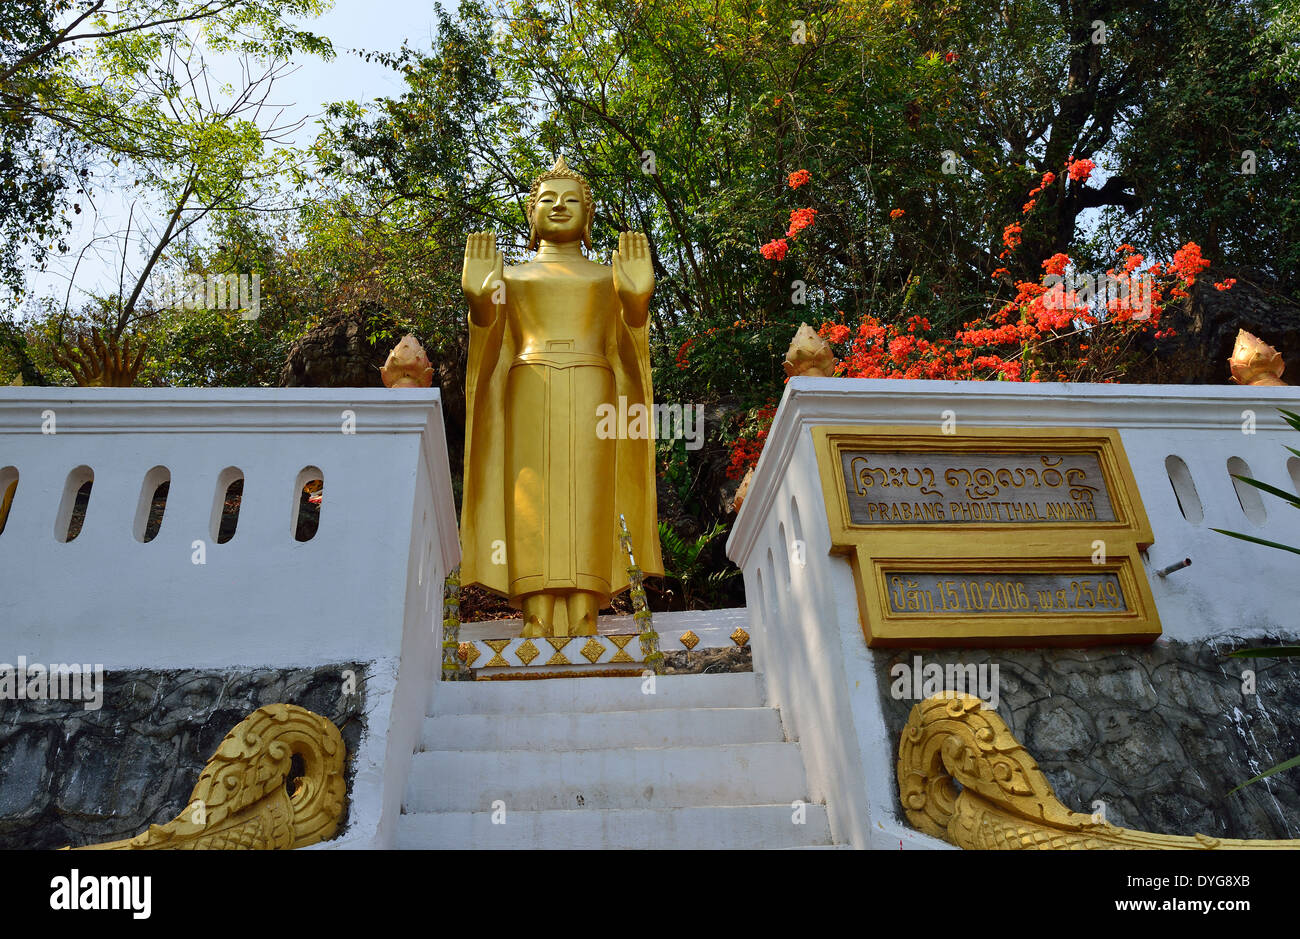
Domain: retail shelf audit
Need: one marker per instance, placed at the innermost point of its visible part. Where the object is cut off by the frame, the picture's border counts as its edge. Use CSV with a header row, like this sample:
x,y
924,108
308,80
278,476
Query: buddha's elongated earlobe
x,y
586,236
532,237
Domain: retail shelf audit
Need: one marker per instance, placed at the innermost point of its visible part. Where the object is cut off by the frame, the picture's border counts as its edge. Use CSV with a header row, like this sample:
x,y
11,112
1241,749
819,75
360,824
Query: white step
x,y
712,627
583,730
699,827
554,695
527,780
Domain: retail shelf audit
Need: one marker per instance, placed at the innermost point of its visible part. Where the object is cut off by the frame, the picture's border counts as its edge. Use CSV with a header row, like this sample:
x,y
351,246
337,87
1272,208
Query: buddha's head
x,y
560,207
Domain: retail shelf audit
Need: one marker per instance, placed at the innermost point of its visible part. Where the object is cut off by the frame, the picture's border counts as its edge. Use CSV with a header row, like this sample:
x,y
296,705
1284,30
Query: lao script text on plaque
x,y
947,487
986,537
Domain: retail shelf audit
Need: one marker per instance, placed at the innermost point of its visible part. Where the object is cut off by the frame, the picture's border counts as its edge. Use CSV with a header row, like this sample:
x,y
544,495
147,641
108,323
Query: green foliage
x,y
1222,135
119,98
687,563
1284,765
923,128
1266,652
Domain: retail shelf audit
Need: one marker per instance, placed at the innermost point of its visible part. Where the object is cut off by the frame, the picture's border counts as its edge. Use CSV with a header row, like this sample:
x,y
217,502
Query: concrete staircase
x,y
599,763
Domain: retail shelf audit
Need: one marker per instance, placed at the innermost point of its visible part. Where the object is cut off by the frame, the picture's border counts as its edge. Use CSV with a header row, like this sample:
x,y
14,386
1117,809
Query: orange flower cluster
x,y
1056,264
745,451
1043,320
1187,263
1010,238
883,350
1048,179
1079,170
683,352
799,220
1045,333
897,213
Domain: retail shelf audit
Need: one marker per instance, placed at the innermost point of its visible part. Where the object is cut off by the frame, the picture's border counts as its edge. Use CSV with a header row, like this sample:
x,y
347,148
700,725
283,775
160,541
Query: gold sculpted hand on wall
x,y
551,341
1005,802
240,800
99,361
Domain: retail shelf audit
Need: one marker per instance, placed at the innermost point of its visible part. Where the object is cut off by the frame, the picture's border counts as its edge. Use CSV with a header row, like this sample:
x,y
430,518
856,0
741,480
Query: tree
x,y
126,92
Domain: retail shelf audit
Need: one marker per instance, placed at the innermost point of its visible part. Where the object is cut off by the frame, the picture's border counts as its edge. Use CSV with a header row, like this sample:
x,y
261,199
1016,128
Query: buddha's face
x,y
559,214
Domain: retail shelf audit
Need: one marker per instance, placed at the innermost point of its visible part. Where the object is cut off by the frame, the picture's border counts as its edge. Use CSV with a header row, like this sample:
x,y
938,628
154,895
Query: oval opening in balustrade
x,y
783,562
1180,477
76,500
310,492
8,486
798,550
153,503
773,603
1252,504
226,503
1292,468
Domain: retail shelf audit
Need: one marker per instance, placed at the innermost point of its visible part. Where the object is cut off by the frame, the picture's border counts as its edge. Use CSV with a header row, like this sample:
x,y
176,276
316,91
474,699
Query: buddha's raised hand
x,y
482,277
634,275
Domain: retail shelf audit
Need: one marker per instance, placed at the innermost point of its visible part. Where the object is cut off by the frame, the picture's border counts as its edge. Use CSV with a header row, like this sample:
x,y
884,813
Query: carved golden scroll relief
x,y
241,799
1005,802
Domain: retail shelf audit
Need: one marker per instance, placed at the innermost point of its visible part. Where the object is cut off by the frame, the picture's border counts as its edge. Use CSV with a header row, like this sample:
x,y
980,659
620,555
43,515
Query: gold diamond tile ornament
x,y
558,645
740,637
468,653
496,645
620,645
593,650
527,651
689,639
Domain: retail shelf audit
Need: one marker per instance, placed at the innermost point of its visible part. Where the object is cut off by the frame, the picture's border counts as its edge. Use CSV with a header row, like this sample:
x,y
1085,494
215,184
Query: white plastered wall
x,y
366,589
807,639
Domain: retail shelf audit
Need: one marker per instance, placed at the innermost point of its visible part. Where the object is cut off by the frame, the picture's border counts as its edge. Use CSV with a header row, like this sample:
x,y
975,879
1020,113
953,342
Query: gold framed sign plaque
x,y
989,537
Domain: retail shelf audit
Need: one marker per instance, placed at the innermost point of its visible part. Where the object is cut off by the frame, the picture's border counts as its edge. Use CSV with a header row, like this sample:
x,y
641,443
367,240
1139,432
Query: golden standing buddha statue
x,y
551,341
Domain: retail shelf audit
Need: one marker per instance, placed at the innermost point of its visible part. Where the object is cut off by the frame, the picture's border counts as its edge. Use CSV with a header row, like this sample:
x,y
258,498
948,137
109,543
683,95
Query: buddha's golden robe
x,y
539,481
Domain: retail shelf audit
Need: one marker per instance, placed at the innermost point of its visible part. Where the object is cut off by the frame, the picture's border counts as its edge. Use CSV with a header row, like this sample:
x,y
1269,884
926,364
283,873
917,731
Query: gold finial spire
x,y
1255,362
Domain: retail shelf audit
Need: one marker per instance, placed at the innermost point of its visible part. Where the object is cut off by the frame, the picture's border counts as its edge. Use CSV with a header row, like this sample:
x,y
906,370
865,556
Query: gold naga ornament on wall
x,y
1005,802
241,799
553,342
